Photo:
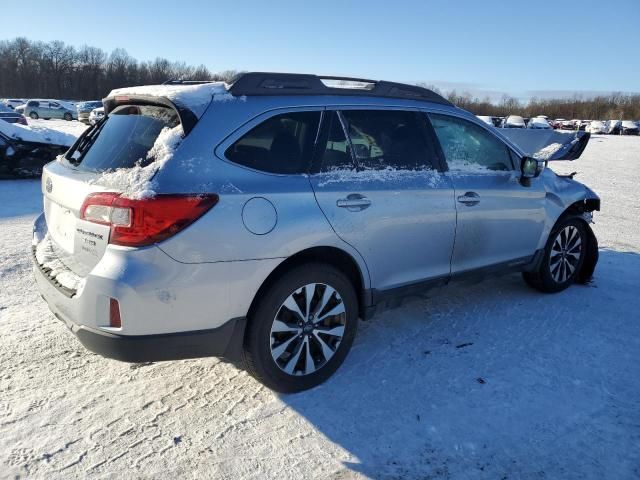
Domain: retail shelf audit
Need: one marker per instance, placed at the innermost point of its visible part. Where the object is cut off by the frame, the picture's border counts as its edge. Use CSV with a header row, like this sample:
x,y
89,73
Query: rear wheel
x,y
563,257
68,117
302,328
34,115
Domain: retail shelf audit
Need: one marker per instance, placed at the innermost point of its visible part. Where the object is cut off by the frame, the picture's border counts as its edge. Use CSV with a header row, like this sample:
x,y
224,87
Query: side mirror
x,y
530,168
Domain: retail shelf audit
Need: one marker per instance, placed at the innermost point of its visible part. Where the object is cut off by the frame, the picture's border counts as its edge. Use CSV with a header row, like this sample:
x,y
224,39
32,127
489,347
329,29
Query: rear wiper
x,y
86,140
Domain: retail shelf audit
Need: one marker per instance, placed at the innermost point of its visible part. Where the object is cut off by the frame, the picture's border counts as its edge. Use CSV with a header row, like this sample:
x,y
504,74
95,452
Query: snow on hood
x,y
136,182
194,97
37,134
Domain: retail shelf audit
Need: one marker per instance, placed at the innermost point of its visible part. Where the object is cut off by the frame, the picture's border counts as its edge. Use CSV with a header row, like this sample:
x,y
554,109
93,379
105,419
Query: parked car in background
x,y
628,127
514,121
275,272
613,127
47,109
12,103
557,123
567,125
497,121
597,126
96,115
485,119
539,123
11,116
85,109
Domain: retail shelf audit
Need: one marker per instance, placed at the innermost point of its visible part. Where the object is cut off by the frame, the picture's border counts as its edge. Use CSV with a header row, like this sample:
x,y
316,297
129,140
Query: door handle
x,y
354,202
470,199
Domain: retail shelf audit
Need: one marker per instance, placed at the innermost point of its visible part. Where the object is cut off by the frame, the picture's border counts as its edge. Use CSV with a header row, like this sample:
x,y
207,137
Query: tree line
x,y
34,69
616,106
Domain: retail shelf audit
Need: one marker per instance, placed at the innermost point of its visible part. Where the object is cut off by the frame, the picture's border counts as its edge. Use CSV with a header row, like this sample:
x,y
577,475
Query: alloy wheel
x,y
565,254
307,329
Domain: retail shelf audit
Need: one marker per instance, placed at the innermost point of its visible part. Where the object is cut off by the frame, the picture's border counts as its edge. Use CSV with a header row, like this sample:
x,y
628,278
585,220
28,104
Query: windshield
x,y
89,105
123,139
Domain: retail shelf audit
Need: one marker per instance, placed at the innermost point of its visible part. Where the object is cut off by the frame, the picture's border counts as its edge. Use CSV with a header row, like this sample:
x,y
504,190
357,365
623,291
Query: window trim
x,y
219,151
438,165
510,150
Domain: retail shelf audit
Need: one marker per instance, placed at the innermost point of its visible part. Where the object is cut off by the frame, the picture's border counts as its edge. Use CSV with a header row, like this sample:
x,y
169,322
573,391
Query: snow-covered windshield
x,y
88,106
124,139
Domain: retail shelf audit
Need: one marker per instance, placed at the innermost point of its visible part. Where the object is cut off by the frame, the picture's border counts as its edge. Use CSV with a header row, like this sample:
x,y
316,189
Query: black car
x,y
20,158
629,128
11,116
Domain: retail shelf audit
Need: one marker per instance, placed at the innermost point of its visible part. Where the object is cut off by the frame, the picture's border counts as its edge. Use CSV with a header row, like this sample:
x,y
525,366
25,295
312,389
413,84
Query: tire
x,y
68,117
34,116
560,267
284,346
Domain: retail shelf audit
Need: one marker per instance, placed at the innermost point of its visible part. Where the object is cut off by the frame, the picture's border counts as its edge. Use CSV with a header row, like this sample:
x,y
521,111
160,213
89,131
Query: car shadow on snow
x,y
20,198
492,380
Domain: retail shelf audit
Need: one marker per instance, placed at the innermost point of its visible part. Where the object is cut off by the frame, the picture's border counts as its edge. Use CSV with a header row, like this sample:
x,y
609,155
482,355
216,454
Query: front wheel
x,y
302,328
563,257
68,117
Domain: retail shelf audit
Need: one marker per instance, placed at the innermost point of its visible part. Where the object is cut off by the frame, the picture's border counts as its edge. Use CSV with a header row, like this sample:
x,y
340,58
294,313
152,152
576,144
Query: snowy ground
x,y
486,381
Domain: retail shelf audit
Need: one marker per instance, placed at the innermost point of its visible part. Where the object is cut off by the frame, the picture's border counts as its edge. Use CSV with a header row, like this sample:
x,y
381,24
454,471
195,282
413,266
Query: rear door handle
x,y
470,199
354,202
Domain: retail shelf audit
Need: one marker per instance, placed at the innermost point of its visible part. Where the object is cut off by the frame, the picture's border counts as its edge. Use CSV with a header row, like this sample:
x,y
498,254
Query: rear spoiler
x,y
548,145
188,119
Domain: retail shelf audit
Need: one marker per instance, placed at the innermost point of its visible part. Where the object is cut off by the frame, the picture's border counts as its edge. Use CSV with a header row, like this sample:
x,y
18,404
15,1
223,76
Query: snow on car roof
x,y
194,97
540,120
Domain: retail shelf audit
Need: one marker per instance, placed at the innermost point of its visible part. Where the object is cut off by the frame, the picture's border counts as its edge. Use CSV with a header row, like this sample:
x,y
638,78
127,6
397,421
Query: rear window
x,y
282,144
124,139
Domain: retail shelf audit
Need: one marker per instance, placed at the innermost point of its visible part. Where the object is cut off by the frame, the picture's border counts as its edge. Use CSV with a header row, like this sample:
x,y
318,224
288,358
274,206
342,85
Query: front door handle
x,y
470,199
354,202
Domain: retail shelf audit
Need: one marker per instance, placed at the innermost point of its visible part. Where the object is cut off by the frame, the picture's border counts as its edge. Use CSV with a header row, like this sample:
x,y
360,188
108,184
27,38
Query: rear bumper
x,y
169,310
224,341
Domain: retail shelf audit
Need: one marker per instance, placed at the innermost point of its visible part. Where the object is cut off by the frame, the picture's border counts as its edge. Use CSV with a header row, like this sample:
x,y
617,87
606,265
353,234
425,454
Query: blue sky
x,y
522,48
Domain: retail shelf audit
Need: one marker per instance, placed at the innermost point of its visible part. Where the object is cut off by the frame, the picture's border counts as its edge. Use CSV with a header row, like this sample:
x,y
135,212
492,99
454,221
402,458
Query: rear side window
x,y
124,139
389,139
282,144
33,103
469,147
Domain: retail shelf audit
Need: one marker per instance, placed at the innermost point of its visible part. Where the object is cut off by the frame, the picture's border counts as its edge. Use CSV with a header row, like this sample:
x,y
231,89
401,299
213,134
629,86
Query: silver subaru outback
x,y
258,221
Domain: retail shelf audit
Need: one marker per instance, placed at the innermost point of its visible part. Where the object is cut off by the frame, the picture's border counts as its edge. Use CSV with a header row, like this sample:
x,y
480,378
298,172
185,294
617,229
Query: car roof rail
x,y
187,82
264,83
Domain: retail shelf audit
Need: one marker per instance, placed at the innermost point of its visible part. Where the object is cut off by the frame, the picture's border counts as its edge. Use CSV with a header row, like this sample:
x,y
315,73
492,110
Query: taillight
x,y
141,222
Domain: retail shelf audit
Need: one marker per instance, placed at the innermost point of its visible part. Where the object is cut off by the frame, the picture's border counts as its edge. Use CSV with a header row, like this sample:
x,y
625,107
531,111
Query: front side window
x,y
469,147
282,144
394,139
